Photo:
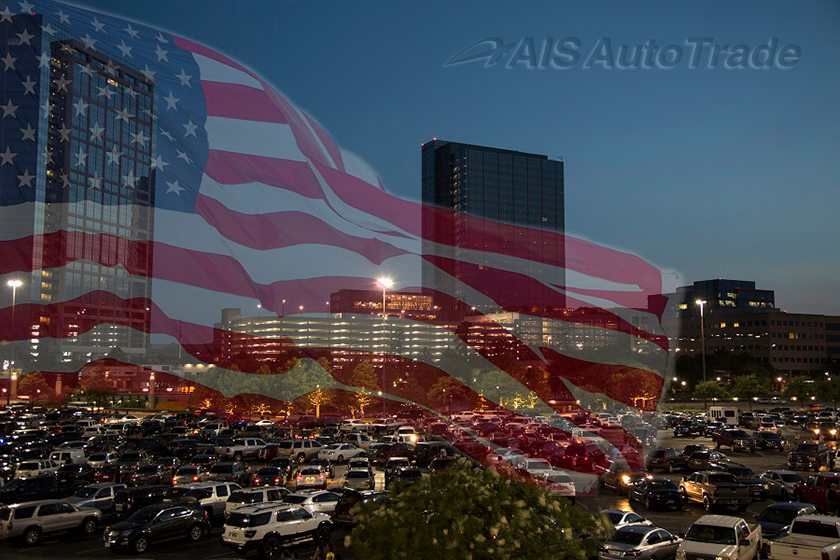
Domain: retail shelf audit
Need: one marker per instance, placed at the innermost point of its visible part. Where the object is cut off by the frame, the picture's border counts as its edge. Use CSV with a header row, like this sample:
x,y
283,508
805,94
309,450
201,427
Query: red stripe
x,y
231,168
236,101
327,141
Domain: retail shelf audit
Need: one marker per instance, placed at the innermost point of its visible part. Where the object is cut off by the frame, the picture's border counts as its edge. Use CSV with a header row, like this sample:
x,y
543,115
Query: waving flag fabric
x,y
148,183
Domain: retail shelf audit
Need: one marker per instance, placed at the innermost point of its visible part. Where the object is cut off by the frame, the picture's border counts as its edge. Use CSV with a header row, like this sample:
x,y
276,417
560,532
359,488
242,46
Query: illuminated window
x,y
723,325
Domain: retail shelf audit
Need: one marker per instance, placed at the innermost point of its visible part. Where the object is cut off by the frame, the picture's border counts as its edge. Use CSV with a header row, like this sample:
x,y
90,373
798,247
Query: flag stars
x,y
88,41
111,68
23,38
81,158
158,163
96,131
8,61
96,182
139,138
131,32
190,129
6,15
161,38
62,82
7,157
65,133
25,179
171,101
123,115
113,156
174,187
167,134
185,78
63,18
28,85
26,7
9,109
125,49
65,180
44,60
150,75
183,156
98,25
130,181
86,69
161,54
105,92
48,29
80,106
28,132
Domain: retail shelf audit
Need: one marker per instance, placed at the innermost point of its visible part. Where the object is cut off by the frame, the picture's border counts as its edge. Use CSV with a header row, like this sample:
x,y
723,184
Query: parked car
x,y
640,541
621,518
311,477
30,489
700,460
230,472
359,479
268,528
210,496
345,511
157,523
269,476
769,440
30,521
619,476
813,455
721,536
74,472
810,537
735,440
315,501
190,473
668,459
656,492
776,517
815,489
99,496
781,483
130,500
406,475
250,496
712,488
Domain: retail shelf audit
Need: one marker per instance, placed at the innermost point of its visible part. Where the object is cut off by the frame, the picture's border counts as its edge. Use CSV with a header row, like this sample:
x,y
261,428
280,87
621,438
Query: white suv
x,y
270,527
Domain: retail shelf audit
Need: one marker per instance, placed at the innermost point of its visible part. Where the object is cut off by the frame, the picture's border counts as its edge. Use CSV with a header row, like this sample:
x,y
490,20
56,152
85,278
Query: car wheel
x,y
32,536
324,534
341,458
141,543
670,467
707,503
89,526
237,456
784,494
301,458
271,548
196,532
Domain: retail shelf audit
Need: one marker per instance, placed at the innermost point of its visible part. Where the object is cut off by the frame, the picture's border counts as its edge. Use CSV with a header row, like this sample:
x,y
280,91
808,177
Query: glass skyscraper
x,y
507,187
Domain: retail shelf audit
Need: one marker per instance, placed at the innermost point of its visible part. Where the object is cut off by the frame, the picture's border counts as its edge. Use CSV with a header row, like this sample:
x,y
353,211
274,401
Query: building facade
x,y
504,187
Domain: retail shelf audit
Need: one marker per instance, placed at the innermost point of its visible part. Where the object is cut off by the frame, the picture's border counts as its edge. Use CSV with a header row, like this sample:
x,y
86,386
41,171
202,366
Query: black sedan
x,y
769,440
657,492
776,517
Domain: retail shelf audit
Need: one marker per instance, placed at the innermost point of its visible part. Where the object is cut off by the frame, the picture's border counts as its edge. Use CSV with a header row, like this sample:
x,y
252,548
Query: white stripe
x,y
305,118
274,140
214,71
356,166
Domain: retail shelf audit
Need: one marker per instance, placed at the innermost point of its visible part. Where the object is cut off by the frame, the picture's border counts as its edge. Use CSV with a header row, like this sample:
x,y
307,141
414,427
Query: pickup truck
x,y
814,489
734,439
721,537
810,537
248,448
811,455
712,488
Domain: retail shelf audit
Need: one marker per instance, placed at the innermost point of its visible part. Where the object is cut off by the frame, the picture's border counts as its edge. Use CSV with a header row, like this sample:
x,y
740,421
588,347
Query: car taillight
x,y
256,480
195,478
175,479
824,555
276,481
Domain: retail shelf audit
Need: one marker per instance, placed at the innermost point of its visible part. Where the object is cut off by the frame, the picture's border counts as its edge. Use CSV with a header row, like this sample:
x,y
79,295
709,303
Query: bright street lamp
x,y
14,285
386,283
702,303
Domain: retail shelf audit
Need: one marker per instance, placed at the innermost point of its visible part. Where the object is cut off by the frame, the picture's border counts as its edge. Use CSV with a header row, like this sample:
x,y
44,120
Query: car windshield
x,y
627,537
294,499
86,493
742,472
143,516
221,469
807,447
780,516
188,470
28,467
615,517
268,470
711,534
150,469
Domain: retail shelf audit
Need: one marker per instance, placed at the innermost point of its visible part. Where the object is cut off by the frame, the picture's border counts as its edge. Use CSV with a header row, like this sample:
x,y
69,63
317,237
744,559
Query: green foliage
x,y
708,390
364,379
31,383
473,513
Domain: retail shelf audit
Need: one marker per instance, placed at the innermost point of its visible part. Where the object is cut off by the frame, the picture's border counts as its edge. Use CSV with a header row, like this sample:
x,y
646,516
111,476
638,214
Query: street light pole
x,y
386,283
14,285
702,303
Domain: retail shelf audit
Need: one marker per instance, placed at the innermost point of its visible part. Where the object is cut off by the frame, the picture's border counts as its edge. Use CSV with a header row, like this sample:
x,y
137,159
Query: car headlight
x,y
625,479
833,432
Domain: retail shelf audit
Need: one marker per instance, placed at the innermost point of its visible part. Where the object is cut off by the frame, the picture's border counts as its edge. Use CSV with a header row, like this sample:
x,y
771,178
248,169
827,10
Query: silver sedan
x,y
640,542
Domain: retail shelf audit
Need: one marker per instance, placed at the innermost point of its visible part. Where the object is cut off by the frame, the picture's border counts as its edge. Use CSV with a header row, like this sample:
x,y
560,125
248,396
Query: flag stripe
x,y
237,101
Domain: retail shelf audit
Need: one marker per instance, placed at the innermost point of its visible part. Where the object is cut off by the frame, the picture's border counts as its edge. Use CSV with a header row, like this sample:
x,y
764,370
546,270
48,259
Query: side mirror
x,y
681,535
744,542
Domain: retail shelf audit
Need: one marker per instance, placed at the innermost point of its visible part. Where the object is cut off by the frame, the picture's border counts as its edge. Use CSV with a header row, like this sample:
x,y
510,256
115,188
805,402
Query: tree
x,y
364,378
33,384
710,390
445,390
471,512
97,383
750,387
800,390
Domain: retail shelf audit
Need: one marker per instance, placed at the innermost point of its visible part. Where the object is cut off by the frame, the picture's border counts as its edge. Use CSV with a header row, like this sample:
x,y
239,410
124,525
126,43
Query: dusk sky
x,y
708,172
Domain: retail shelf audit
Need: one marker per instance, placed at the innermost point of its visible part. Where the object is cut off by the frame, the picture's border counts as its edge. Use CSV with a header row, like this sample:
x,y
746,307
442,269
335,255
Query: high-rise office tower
x,y
77,192
507,188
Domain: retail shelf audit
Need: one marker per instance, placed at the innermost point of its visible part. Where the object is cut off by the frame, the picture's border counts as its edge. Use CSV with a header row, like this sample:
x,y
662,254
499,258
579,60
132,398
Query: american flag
x,y
242,200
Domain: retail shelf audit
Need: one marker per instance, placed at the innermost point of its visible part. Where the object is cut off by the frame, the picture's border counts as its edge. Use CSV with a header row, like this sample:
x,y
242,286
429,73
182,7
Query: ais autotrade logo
x,y
571,52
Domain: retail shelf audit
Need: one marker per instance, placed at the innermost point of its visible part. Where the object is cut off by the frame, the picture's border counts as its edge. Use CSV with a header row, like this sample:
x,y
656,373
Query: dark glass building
x,y
507,187
77,189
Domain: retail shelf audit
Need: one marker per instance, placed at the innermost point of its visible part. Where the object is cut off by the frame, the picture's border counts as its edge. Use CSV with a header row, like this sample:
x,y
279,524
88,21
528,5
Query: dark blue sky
x,y
708,172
